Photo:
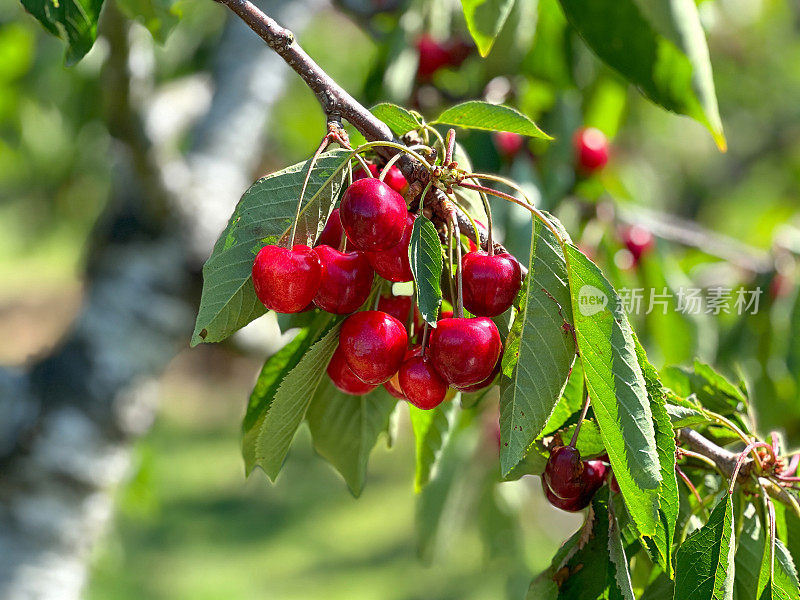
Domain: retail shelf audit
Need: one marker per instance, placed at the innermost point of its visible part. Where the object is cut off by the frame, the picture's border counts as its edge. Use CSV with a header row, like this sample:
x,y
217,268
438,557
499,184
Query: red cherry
x,y
397,306
563,473
569,504
346,280
594,475
421,383
507,143
360,174
343,377
396,180
490,282
464,351
286,280
332,233
374,345
445,314
613,485
393,387
638,240
373,215
591,149
486,382
393,264
432,56
472,245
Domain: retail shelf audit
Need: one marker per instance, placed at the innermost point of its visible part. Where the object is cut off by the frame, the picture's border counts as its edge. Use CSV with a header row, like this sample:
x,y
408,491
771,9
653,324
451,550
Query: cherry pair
x,y
569,482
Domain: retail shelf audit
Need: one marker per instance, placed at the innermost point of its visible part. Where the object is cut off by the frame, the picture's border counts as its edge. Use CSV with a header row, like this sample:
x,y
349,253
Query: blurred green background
x,y
189,525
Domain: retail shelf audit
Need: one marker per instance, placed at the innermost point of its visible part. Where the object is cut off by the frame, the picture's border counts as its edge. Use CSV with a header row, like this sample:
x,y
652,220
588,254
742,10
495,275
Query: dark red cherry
x,y
332,233
613,485
374,345
569,504
421,383
432,56
359,173
397,306
396,180
563,473
594,475
286,280
591,149
373,215
490,282
445,314
393,384
486,382
346,280
393,264
464,351
508,143
343,377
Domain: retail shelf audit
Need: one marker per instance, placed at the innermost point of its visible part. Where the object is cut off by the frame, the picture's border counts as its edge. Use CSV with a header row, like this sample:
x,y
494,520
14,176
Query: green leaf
x,y
476,114
616,552
705,562
431,429
74,21
657,45
539,352
660,544
398,119
685,416
345,428
616,387
568,408
485,19
263,216
276,430
425,256
661,588
158,16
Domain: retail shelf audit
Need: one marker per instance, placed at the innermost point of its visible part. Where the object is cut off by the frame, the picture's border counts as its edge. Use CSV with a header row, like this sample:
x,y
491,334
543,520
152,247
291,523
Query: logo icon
x,y
591,300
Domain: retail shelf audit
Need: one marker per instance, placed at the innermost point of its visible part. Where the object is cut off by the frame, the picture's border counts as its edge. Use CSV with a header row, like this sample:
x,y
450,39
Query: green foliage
x,y
398,119
74,21
485,19
658,46
159,16
263,216
425,256
431,430
490,117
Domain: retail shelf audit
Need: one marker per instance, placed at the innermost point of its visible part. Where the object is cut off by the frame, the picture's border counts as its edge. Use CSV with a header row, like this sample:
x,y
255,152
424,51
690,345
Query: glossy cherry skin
x,y
286,280
421,383
465,351
393,264
486,382
373,215
374,171
374,345
396,180
563,473
568,504
346,280
393,385
613,485
490,282
397,306
594,475
508,144
343,377
591,149
332,233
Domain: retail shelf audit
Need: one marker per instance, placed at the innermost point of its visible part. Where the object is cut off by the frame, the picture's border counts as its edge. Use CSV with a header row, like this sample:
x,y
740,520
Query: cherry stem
x,y
323,144
422,196
343,242
438,135
451,146
584,410
489,225
792,466
698,456
787,478
426,329
389,165
689,484
459,279
742,456
450,261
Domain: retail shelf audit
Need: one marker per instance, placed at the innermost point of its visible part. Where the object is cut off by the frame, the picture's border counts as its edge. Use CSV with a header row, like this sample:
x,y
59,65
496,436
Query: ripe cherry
x,y
432,56
397,306
286,280
343,377
396,180
508,144
332,233
374,345
346,280
490,282
393,264
613,485
421,383
464,351
563,473
594,475
591,149
393,384
373,215
638,240
576,504
374,171
486,382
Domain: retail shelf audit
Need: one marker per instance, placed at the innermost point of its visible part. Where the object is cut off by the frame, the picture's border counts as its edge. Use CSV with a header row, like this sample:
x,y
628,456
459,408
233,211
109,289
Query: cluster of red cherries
x,y
569,483
374,225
